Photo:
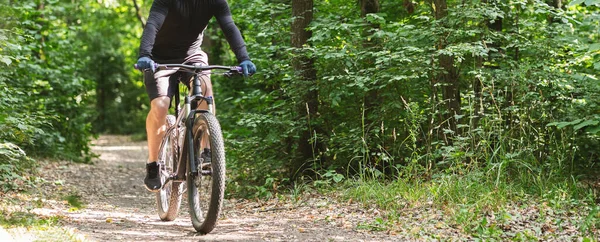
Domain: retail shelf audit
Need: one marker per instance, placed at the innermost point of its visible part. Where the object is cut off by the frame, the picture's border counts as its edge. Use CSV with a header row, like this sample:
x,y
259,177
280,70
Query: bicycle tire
x,y
168,199
205,216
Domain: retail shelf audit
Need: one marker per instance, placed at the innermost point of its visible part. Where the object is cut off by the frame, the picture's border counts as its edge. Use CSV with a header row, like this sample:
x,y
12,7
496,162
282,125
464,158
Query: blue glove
x,y
145,63
248,68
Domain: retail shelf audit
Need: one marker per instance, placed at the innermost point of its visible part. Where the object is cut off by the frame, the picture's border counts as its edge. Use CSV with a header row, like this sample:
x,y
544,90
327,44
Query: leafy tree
x,y
378,88
310,147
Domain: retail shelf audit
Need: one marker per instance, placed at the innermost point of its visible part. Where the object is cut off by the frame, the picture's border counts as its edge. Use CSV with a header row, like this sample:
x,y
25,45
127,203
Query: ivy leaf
x,y
561,125
592,2
596,46
576,2
376,19
593,129
585,123
338,178
6,60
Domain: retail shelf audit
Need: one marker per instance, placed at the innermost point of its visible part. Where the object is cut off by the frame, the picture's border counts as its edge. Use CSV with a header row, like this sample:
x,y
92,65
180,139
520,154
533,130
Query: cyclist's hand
x,y
145,63
248,68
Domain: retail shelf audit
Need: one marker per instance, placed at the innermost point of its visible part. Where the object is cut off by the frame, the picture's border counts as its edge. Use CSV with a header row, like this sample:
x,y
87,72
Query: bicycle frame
x,y
188,114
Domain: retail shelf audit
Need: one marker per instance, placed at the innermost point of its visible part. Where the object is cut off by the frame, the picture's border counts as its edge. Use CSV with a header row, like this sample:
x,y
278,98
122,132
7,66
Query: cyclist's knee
x,y
207,85
160,105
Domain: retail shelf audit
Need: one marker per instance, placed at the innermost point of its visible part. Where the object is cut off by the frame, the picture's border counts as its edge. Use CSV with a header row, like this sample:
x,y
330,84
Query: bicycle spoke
x,y
168,199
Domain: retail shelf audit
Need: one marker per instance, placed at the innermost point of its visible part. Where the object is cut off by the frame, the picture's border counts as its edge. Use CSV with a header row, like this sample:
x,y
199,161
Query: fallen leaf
x,y
439,225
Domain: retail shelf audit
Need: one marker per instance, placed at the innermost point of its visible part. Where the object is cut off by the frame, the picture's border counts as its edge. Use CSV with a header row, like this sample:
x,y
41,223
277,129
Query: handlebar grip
x,y
137,68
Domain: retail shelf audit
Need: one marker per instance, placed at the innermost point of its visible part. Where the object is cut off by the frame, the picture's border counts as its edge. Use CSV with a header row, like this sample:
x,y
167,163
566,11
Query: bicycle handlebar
x,y
196,67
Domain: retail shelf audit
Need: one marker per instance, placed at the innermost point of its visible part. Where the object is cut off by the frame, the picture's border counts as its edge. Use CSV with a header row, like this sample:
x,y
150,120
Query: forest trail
x,y
117,207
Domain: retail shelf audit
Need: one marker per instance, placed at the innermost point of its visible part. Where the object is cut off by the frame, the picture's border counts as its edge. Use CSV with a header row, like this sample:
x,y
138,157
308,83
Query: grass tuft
x,y
527,206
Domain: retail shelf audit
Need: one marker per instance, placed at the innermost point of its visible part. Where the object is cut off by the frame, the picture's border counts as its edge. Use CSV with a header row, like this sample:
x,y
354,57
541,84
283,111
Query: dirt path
x,y
116,206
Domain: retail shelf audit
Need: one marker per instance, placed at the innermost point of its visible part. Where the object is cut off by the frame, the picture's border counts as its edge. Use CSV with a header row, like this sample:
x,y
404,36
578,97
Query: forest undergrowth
x,y
486,110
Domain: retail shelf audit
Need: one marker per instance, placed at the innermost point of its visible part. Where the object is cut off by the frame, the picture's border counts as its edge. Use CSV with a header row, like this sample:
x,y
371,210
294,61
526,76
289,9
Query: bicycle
x,y
192,154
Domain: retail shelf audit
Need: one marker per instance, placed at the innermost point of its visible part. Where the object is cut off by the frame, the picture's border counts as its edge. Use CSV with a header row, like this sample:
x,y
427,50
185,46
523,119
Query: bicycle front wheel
x,y
206,189
168,199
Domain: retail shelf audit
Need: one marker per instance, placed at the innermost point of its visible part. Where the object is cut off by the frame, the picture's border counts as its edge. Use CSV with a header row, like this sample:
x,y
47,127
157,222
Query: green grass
x,y
26,219
484,206
74,201
19,216
27,225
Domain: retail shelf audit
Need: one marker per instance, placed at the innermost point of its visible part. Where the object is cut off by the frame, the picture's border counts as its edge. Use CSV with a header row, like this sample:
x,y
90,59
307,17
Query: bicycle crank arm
x,y
175,178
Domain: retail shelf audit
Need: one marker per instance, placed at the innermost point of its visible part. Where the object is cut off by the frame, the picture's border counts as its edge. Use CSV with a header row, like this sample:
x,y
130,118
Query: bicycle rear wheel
x,y
206,189
168,199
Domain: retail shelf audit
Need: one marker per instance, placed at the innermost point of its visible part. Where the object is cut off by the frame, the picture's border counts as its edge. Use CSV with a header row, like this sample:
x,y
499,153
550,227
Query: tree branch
x,y
138,13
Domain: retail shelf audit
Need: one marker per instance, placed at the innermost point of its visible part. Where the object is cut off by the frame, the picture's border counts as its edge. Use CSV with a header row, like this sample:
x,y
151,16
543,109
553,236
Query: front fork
x,y
189,123
190,117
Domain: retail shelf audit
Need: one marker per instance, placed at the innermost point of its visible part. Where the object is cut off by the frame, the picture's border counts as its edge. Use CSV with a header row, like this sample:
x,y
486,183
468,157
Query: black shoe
x,y
152,180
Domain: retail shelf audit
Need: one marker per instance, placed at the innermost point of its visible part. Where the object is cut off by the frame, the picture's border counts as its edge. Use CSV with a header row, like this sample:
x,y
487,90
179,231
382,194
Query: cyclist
x,y
173,35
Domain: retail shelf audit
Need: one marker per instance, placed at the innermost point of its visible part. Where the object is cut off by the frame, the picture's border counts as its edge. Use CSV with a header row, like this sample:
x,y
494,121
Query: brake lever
x,y
238,70
235,70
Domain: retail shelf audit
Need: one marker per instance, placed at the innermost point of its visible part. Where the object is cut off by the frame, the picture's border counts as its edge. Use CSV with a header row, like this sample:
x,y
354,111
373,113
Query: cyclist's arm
x,y
231,31
158,13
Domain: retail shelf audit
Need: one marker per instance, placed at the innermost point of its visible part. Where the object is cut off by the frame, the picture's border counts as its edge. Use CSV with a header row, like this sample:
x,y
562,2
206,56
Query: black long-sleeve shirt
x,y
175,27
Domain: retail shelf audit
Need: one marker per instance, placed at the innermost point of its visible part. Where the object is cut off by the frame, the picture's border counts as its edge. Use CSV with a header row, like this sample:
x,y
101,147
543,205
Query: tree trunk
x,y
409,6
448,77
556,4
309,149
496,26
369,6
544,146
372,99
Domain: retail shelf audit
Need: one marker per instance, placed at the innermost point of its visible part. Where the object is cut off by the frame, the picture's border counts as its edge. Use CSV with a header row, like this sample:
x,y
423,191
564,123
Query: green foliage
x,y
13,164
381,105
46,111
255,113
525,74
110,35
67,73
521,208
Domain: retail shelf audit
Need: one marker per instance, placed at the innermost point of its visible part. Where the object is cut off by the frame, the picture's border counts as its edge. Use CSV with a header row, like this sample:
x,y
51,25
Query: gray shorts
x,y
166,82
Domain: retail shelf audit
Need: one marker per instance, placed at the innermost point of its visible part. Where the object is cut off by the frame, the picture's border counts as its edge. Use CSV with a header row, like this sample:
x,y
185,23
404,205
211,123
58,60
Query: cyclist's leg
x,y
158,87
207,92
207,86
155,125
